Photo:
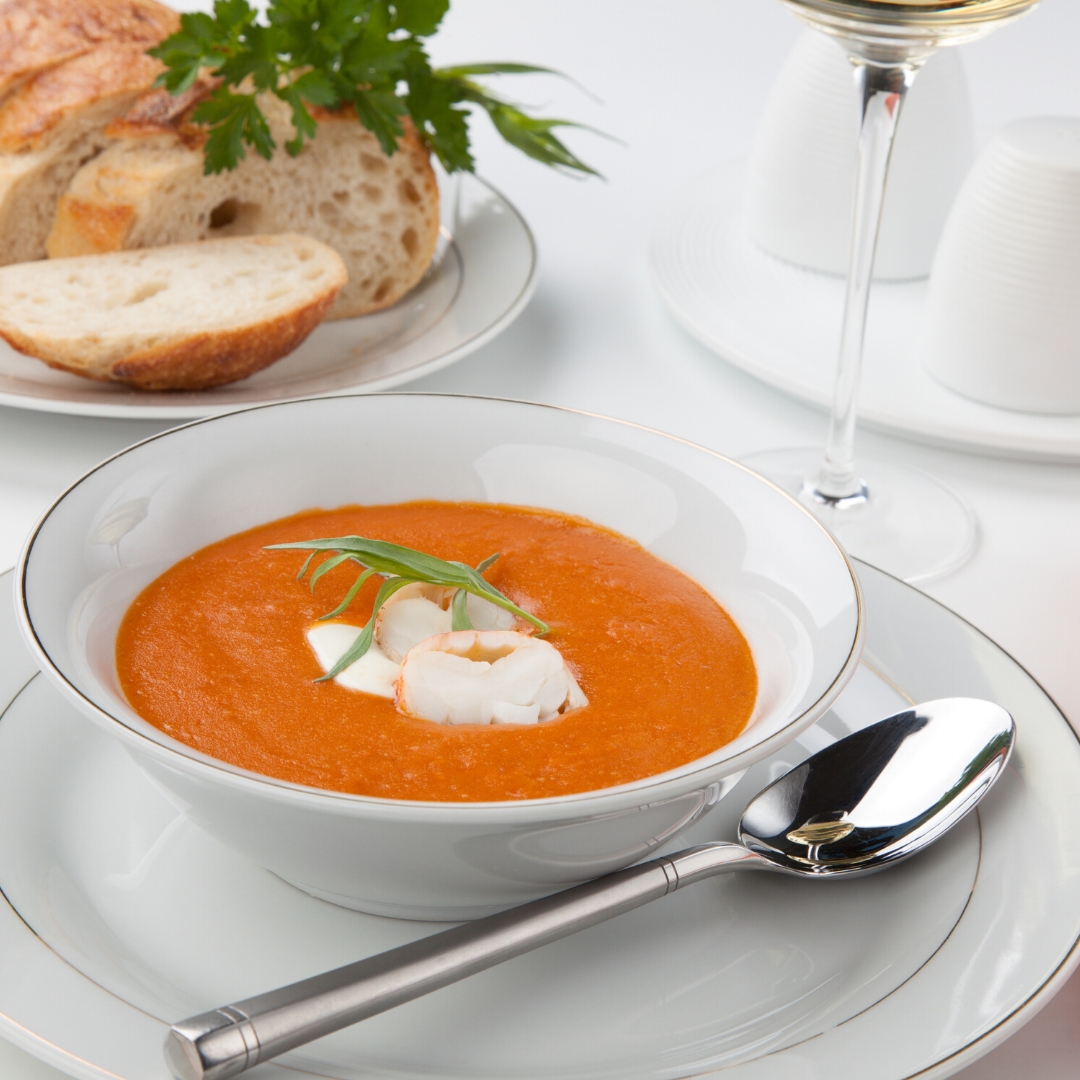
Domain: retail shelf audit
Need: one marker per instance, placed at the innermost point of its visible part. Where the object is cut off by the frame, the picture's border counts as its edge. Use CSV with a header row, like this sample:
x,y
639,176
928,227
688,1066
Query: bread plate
x,y
482,276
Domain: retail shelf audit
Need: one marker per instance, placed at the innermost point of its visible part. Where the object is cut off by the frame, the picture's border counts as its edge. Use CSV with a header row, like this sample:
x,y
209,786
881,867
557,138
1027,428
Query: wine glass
x,y
897,518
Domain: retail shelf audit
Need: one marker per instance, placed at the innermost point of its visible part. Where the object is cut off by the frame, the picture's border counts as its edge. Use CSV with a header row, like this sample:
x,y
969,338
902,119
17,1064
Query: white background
x,y
682,84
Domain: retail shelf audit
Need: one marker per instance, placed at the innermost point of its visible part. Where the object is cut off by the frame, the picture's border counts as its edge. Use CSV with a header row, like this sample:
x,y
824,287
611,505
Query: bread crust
x,y
202,360
206,360
116,70
86,228
157,112
36,35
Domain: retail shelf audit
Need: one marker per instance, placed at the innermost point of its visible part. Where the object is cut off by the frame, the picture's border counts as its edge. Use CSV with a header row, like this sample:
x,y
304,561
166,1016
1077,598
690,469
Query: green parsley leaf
x,y
532,135
442,121
420,18
197,44
233,119
464,70
380,112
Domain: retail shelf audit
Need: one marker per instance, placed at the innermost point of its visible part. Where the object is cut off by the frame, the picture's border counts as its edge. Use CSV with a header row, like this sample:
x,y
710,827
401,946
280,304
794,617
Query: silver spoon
x,y
860,805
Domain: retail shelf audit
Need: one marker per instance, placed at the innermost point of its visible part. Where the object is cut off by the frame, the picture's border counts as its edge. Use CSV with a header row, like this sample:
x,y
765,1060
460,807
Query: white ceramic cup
x,y
1002,321
802,169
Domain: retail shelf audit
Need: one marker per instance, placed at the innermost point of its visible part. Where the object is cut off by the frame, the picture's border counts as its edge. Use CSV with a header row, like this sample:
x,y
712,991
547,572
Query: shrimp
x,y
420,611
413,614
486,677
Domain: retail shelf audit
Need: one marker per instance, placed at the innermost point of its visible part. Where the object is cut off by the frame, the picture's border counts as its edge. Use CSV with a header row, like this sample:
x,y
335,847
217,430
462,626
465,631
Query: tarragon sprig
x,y
330,53
400,566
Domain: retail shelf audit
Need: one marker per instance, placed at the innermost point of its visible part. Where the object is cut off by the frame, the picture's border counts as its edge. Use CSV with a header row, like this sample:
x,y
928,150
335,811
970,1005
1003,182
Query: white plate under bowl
x,y
122,917
781,324
483,275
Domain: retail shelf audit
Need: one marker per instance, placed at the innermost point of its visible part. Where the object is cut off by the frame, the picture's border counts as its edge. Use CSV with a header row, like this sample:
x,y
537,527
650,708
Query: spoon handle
x,y
226,1041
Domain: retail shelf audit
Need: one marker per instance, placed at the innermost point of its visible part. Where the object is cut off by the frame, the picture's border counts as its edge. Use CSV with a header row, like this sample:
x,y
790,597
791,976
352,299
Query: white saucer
x,y
120,917
483,275
781,323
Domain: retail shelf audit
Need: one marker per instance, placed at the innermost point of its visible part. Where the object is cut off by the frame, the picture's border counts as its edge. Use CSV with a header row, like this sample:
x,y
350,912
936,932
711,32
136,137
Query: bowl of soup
x,y
657,619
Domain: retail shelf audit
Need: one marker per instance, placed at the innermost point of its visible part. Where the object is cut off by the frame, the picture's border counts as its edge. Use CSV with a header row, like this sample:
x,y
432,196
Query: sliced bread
x,y
67,69
181,317
379,212
53,124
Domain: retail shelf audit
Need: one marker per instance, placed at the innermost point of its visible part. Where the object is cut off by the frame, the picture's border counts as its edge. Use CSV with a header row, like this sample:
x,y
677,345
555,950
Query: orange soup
x,y
214,654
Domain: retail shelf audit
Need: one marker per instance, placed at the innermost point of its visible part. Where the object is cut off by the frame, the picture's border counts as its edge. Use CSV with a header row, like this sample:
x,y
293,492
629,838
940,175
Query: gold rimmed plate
x,y
483,275
121,916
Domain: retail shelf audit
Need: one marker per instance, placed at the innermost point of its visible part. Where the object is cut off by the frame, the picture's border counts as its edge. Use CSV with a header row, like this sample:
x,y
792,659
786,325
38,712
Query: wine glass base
x,y
907,523
811,494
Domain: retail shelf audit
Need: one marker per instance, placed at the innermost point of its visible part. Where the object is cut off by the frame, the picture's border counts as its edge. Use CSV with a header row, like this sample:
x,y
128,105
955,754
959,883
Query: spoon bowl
x,y
864,803
882,794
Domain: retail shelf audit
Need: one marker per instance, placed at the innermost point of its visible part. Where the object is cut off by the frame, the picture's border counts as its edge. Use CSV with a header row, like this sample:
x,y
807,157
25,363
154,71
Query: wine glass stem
x,y
882,89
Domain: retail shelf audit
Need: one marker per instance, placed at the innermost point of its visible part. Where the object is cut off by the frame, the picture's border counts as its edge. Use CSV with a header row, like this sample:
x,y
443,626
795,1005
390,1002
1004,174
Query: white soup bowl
x,y
780,575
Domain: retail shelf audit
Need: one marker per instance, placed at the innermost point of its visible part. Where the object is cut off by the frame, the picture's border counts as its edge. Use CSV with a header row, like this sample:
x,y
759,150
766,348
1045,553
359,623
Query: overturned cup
x,y
1002,321
802,168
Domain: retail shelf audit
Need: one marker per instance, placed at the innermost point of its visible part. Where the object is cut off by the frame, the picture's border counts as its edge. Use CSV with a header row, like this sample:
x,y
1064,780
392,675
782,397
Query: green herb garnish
x,y
400,566
331,53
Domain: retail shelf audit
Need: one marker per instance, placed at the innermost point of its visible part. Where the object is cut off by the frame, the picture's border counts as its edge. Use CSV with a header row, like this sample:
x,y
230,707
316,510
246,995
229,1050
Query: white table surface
x,y
682,83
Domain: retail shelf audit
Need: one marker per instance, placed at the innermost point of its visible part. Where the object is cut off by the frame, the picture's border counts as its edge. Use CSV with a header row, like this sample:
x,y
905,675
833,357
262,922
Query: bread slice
x,y
380,213
182,317
50,126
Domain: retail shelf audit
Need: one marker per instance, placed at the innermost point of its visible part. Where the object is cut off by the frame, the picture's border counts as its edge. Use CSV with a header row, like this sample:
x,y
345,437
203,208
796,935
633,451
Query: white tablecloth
x,y
682,83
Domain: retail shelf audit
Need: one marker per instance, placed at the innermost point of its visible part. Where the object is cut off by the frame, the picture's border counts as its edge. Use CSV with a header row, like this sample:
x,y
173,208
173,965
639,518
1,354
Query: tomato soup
x,y
214,654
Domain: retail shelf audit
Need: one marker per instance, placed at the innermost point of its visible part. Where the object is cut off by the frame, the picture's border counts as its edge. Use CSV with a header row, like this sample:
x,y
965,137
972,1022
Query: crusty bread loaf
x,y
67,69
182,317
380,213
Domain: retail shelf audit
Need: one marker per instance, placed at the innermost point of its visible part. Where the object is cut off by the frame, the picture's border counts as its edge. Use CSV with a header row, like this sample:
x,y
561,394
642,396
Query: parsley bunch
x,y
330,53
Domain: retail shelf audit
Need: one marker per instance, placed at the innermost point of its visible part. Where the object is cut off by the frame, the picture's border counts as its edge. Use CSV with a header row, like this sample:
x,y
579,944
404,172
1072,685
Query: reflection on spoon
x,y
817,833
866,802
